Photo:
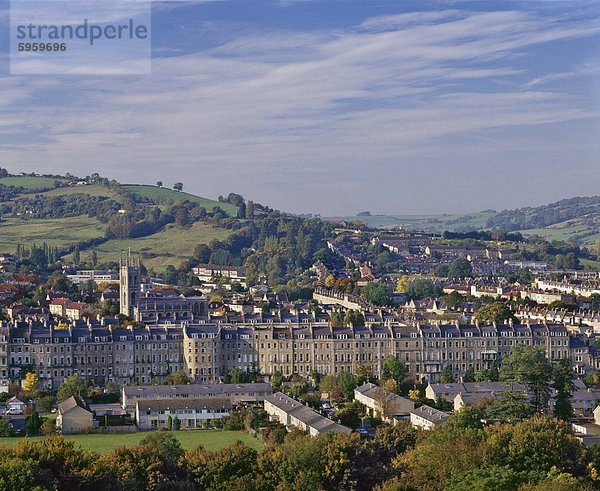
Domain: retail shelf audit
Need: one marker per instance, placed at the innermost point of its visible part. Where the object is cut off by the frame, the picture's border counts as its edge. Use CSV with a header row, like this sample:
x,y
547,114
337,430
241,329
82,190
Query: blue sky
x,y
333,107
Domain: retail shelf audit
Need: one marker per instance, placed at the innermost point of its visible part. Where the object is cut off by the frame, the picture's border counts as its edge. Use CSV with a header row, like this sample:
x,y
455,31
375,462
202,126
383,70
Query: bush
x,y
5,429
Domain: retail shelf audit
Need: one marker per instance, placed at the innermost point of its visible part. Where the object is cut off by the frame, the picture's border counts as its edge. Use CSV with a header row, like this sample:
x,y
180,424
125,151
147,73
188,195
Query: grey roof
x,y
181,403
72,402
472,387
193,390
430,414
370,390
304,414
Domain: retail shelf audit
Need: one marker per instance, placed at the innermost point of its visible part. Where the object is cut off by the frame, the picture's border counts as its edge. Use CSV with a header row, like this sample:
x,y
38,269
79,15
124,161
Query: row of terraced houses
x,y
207,351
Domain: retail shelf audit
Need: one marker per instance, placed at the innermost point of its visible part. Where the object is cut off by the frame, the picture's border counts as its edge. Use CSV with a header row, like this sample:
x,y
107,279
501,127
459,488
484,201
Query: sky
x,y
332,107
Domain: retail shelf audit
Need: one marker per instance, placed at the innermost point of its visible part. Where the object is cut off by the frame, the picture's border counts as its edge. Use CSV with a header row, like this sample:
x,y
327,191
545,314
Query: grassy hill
x,y
154,192
168,246
29,182
173,245
60,232
575,219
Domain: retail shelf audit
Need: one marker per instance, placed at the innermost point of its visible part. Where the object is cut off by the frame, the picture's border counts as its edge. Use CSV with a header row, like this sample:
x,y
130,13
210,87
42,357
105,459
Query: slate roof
x,y
71,403
181,403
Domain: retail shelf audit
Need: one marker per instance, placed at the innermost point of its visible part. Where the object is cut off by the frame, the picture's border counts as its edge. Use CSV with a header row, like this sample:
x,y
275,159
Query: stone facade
x,y
207,351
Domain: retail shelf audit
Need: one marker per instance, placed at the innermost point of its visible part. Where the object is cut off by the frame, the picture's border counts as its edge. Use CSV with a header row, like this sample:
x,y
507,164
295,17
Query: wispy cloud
x,y
284,116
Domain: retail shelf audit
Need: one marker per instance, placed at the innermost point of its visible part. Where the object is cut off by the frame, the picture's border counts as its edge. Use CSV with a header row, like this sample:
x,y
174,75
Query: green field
x,y
55,231
575,229
190,439
154,192
90,189
170,246
29,182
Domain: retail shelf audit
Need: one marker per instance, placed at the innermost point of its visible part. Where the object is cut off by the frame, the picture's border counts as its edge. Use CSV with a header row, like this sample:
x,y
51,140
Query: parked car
x,y
14,410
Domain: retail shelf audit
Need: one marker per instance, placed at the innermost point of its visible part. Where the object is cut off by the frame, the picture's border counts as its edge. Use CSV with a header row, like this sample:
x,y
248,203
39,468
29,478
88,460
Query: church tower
x,y
129,282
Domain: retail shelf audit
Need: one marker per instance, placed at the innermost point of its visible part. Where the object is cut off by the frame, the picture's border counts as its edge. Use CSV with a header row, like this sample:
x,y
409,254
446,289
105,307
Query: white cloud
x,y
284,116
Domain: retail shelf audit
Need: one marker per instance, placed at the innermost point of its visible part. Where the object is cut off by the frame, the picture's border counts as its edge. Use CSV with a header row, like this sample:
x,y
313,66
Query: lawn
x,y
28,182
154,192
190,439
56,231
170,246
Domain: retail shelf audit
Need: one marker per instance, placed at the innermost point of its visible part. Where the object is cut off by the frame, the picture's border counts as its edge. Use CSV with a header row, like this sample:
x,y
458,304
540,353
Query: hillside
x,y
63,213
575,219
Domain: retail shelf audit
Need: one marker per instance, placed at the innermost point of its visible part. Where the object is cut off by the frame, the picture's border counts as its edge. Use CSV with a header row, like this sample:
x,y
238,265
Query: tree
x,y
312,399
355,318
241,213
469,375
378,294
73,386
394,369
331,385
494,374
5,428
165,444
238,376
459,269
329,281
446,376
31,382
347,384
159,184
562,376
33,422
528,364
537,445
386,399
364,373
76,255
510,406
170,422
277,379
176,423
202,252
316,378
181,217
441,271
454,300
250,210
336,319
497,312
420,289
43,401
178,186
178,378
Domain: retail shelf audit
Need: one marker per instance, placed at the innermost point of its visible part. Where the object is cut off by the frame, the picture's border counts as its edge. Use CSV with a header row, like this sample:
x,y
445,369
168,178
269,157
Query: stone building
x,y
207,351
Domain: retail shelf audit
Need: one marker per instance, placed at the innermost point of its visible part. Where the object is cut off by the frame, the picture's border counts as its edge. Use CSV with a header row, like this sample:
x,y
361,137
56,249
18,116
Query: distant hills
x,y
576,219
